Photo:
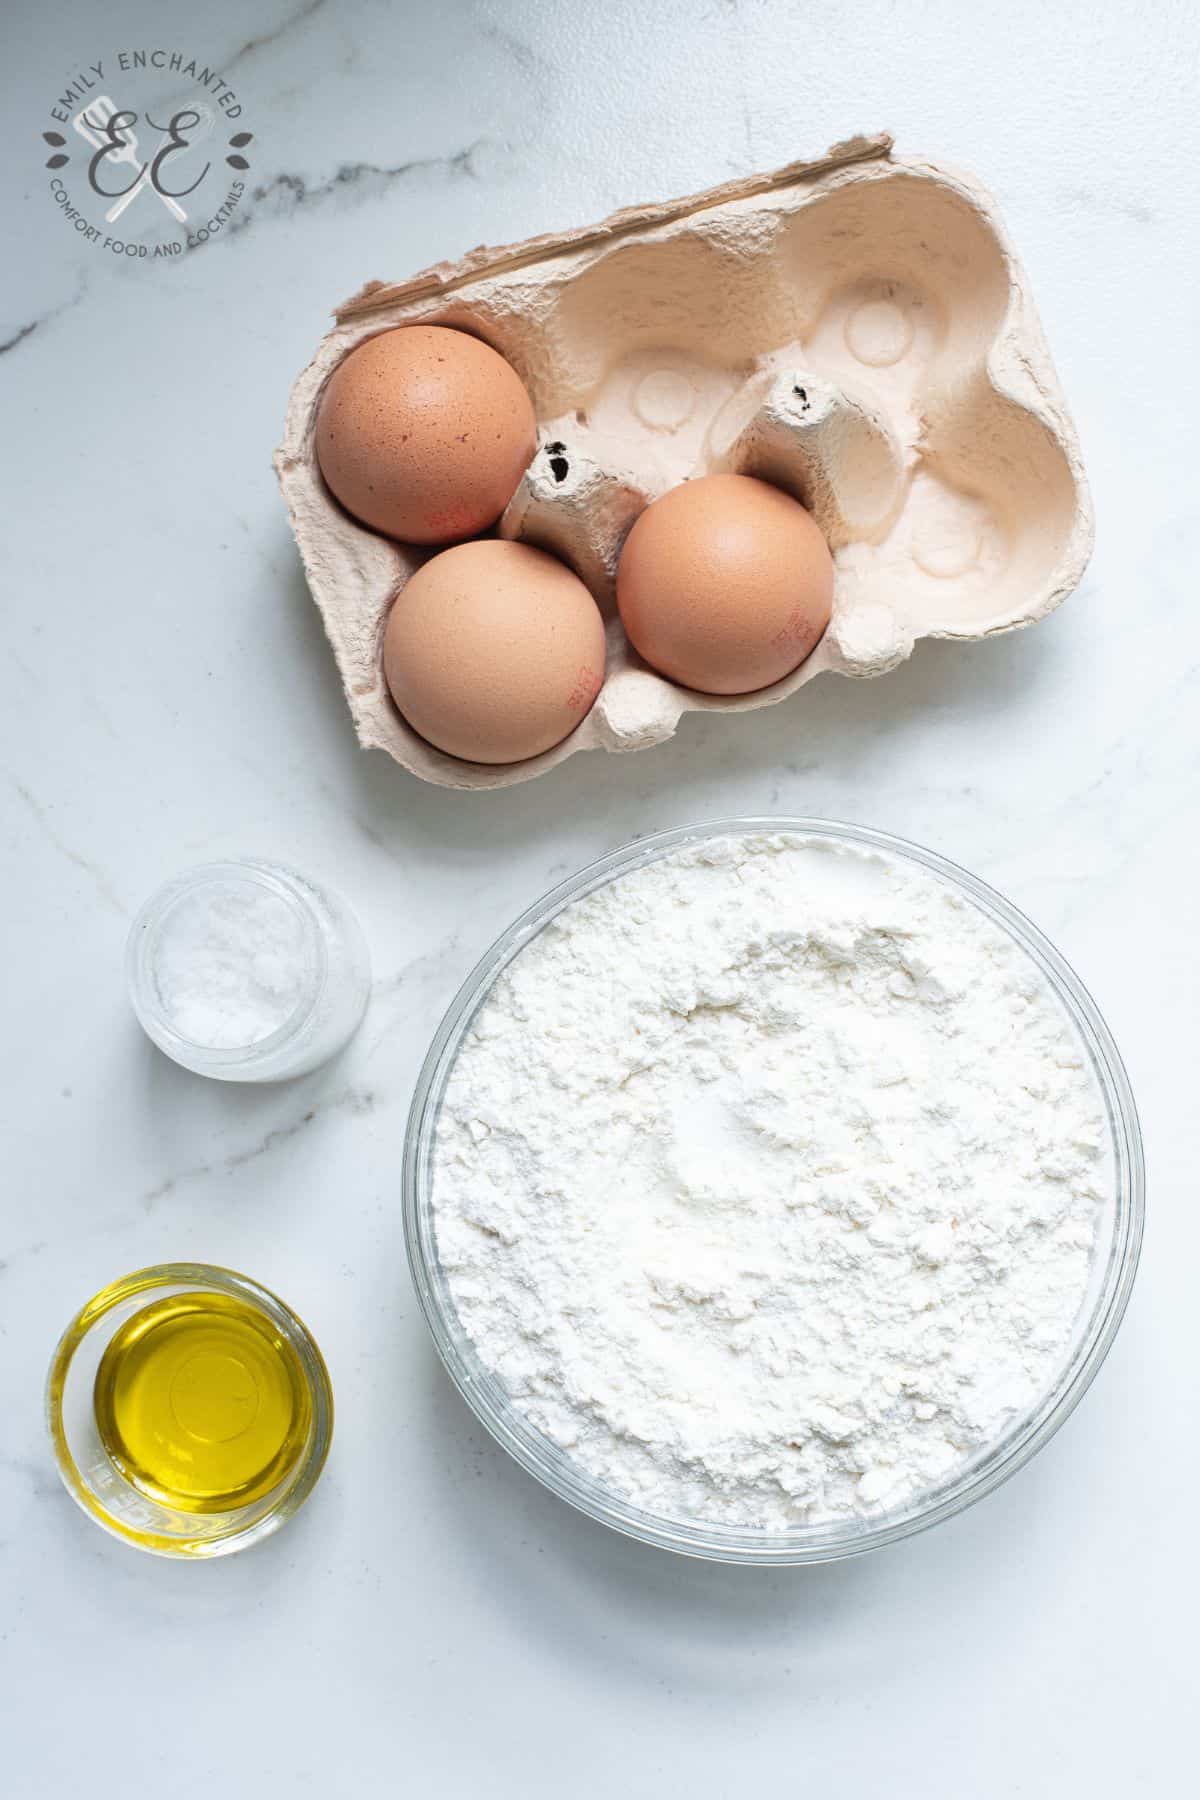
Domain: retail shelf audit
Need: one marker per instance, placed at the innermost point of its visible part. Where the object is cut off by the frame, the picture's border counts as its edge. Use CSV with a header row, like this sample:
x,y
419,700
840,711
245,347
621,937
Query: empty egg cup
x,y
91,1477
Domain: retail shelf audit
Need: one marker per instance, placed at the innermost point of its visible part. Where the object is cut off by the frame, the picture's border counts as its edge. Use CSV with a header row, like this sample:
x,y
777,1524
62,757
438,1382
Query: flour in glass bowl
x,y
767,1180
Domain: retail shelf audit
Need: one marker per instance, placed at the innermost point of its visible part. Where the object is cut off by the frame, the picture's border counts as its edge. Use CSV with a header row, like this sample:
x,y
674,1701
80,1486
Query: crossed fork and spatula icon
x,y
91,122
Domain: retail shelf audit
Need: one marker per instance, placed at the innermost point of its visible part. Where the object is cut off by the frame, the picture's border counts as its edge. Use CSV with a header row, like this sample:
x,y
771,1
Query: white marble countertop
x,y
433,1618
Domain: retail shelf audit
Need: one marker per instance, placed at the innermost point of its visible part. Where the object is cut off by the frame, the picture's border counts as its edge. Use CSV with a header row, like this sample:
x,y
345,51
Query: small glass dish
x,y
89,1473
1114,1262
328,969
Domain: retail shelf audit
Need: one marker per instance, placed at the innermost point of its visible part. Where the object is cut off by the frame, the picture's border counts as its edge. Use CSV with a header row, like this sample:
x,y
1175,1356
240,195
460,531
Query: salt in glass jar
x,y
246,971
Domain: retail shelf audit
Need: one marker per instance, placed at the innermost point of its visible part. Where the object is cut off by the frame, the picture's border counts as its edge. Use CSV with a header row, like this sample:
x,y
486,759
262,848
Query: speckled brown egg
x,y
423,433
494,651
725,584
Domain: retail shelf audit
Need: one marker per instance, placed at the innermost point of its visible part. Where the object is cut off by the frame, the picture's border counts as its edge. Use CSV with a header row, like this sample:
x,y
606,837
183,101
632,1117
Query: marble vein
x,y
44,318
285,194
284,29
423,971
34,1249
27,1468
337,802
357,1101
514,48
92,870
19,336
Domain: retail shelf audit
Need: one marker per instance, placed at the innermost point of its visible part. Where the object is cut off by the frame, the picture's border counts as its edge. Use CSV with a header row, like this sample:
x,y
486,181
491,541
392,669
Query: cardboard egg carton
x,y
855,329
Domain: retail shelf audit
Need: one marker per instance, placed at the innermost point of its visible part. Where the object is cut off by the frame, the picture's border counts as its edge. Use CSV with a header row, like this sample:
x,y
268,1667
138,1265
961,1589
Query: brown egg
x,y
494,651
725,584
423,433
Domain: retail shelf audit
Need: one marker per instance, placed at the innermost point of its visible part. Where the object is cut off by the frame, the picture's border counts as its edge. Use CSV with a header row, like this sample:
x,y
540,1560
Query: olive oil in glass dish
x,y
190,1410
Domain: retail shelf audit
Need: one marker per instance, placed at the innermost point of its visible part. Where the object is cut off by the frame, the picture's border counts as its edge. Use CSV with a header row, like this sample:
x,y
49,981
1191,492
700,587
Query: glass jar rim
x,y
287,886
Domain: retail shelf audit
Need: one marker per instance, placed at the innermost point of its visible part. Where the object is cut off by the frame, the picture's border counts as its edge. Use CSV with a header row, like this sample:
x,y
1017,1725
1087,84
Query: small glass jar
x,y
98,1485
246,971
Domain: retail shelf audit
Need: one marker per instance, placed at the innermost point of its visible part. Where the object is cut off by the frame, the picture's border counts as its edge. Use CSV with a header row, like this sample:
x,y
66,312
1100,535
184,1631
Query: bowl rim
x,y
981,1474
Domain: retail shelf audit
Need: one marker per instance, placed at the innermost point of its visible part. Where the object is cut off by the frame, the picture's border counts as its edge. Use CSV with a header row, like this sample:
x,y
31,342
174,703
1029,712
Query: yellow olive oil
x,y
201,1404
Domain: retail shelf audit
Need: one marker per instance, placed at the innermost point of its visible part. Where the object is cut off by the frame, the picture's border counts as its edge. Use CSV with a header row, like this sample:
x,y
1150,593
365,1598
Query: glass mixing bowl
x,y
1114,1263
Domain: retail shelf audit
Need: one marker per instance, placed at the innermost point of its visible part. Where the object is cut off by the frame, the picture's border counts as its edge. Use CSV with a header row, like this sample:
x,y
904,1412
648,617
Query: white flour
x,y
767,1181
